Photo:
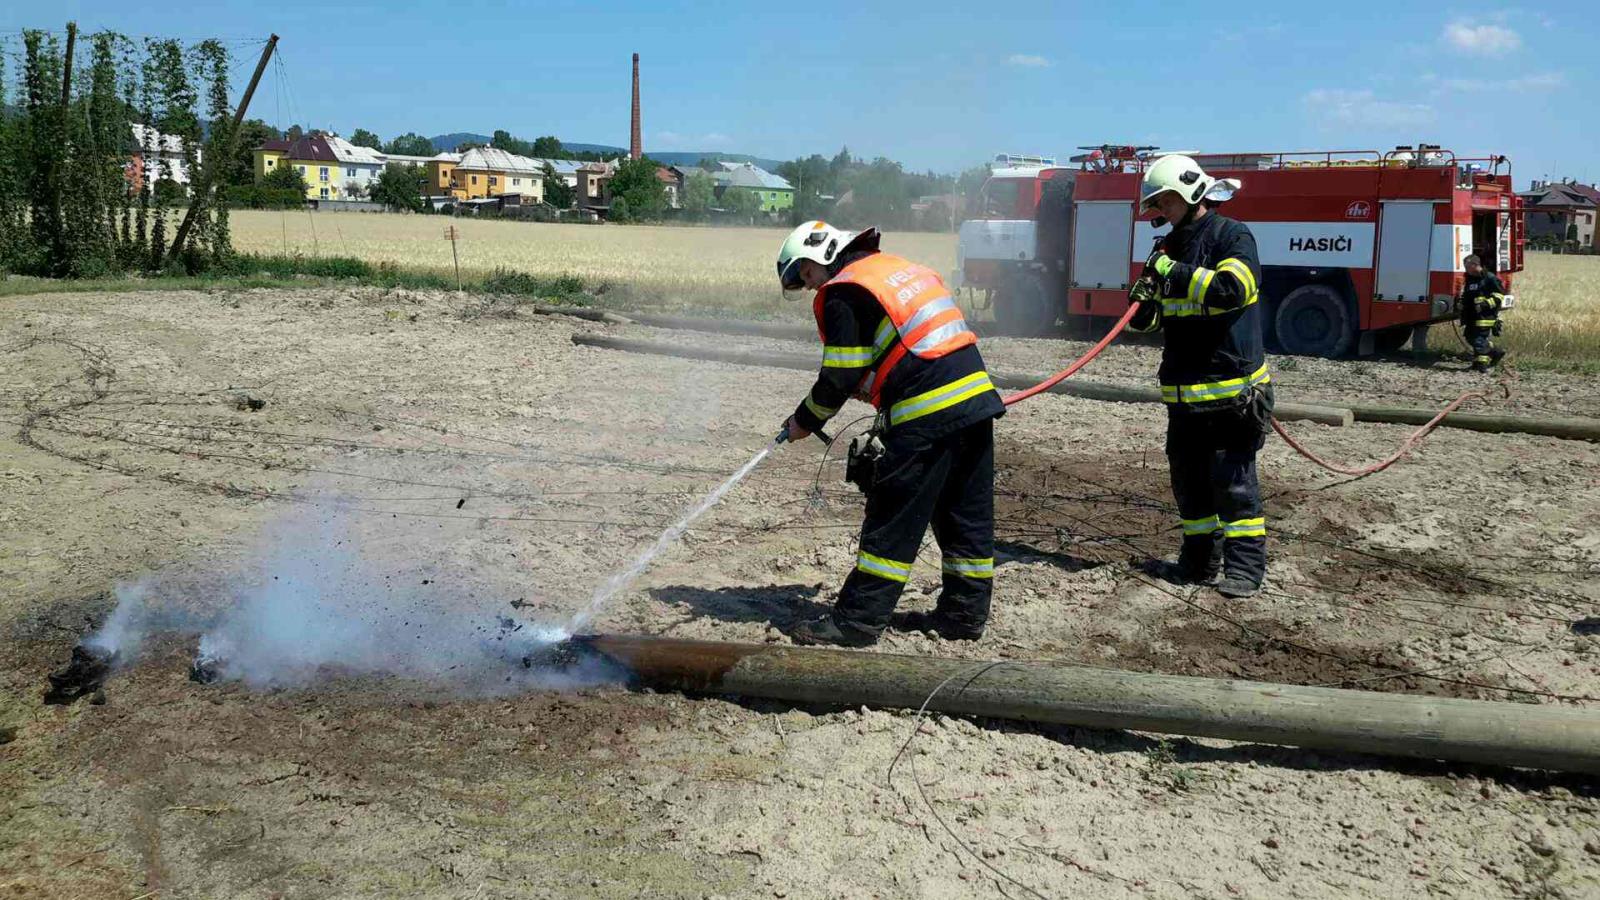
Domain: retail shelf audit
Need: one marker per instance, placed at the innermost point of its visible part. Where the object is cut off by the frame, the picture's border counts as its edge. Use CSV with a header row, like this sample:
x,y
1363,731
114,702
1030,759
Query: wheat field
x,y
1557,320
674,267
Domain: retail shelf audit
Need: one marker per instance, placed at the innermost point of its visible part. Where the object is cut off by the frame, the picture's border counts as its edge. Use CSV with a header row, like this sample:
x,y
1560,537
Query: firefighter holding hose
x,y
893,335
1481,300
1200,288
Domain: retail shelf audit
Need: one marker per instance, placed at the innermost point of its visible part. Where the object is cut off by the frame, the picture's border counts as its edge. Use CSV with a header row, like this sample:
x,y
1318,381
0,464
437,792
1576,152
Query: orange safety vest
x,y
919,308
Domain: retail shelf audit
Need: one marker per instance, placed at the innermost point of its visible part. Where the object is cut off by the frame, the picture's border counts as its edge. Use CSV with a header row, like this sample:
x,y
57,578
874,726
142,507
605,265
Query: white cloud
x,y
1482,40
1363,108
1521,84
1028,61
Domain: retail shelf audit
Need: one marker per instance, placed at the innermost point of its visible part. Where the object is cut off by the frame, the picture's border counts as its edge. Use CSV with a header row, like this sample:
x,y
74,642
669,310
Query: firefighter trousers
x,y
1212,459
946,481
1483,350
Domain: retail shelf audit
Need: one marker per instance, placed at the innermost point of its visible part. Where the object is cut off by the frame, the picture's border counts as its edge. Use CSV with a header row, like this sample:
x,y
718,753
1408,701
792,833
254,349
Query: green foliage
x,y
637,184
286,178
364,138
557,192
621,210
547,147
741,202
410,144
699,193
400,187
67,152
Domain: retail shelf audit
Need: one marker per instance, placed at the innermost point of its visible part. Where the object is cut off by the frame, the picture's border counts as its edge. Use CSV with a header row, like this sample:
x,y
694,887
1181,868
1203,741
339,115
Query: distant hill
x,y
449,142
446,143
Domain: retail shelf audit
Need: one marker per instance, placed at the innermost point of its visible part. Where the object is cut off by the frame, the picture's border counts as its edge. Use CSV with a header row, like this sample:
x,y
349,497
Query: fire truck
x,y
1360,250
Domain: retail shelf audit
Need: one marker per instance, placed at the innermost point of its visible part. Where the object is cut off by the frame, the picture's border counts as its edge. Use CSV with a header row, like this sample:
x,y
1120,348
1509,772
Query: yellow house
x,y
488,172
269,155
442,177
315,159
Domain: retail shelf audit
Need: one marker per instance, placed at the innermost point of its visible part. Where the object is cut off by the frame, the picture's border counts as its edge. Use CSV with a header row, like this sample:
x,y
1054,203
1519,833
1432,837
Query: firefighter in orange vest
x,y
893,335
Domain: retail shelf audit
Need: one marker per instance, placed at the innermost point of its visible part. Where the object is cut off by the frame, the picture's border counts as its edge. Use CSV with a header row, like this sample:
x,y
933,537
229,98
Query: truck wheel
x,y
1024,307
1314,320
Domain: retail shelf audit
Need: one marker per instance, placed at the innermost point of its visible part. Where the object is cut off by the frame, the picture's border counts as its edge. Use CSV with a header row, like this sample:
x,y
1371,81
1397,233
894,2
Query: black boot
x,y
827,631
936,624
1236,586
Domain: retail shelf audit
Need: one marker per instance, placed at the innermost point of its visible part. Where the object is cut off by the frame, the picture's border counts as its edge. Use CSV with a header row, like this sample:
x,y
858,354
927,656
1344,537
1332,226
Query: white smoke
x,y
326,601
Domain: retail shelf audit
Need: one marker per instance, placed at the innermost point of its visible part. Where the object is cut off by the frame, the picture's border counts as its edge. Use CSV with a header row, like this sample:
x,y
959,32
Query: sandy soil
x,y
513,472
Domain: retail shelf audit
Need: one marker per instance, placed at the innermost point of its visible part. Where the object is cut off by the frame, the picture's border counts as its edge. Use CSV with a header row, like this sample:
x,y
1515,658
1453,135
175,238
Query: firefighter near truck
x,y
1360,250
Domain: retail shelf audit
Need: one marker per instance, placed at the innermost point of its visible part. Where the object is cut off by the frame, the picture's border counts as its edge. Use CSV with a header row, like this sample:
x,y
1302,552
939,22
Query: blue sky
x,y
935,85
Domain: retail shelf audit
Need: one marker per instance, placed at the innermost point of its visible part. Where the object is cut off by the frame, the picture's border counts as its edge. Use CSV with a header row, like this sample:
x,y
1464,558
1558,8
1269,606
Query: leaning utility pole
x,y
202,185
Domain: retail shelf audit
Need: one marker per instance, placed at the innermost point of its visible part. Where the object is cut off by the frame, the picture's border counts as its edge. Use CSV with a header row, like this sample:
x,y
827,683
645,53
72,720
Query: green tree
x,y
400,187
240,167
620,210
699,193
637,183
741,202
286,178
364,138
294,133
547,147
557,193
410,144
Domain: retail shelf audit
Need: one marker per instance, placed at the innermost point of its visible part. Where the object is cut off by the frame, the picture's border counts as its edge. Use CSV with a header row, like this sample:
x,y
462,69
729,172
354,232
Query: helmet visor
x,y
789,275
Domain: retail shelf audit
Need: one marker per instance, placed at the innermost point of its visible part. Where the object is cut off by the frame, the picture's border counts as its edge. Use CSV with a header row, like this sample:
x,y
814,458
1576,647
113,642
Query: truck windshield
x,y
998,200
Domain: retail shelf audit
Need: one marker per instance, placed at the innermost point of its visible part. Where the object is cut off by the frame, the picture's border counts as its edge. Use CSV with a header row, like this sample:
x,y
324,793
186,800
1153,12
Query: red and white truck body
x,y
1357,248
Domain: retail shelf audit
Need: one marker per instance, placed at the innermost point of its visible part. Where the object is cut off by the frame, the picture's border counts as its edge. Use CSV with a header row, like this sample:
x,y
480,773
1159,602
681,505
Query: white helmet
x,y
815,240
1183,176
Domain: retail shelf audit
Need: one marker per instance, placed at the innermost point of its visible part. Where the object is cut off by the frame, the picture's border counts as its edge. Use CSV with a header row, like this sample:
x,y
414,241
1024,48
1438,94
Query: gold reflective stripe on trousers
x,y
883,568
930,402
1207,525
1213,390
1243,528
969,568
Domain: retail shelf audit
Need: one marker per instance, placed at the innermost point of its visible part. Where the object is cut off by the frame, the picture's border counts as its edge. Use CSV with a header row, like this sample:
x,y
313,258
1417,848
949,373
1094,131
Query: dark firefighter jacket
x,y
1209,311
850,318
1481,299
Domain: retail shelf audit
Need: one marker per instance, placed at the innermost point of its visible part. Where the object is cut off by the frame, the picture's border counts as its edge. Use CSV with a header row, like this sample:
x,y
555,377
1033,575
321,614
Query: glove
x,y
1144,289
1163,264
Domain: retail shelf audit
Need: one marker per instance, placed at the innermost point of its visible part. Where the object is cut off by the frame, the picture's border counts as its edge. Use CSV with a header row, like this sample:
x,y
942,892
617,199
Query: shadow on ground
x,y
780,605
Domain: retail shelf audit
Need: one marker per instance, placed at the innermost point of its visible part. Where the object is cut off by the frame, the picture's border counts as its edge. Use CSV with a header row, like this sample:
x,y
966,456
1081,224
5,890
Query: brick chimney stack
x,y
635,141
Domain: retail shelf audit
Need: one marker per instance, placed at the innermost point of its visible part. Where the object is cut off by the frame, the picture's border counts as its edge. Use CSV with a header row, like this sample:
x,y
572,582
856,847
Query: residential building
x,y
774,193
359,167
671,181
441,175
1561,209
158,157
489,172
270,155
313,156
594,185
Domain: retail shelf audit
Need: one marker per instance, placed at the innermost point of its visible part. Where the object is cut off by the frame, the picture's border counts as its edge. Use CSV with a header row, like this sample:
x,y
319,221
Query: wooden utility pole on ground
x,y
1542,736
214,155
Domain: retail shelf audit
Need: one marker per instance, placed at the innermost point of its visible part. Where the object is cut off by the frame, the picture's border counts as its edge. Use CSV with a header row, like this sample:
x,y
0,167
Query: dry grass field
x,y
1556,323
661,266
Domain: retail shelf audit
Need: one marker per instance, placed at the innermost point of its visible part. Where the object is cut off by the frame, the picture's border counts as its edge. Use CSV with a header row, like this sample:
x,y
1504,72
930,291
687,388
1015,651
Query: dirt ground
x,y
498,470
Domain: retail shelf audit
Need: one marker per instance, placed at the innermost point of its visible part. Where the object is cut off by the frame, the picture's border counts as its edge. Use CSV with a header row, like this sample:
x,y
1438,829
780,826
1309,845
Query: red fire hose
x,y
1079,363
1407,446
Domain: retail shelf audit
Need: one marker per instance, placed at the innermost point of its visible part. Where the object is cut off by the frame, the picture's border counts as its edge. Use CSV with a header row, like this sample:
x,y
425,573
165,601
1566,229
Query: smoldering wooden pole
x,y
1475,731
